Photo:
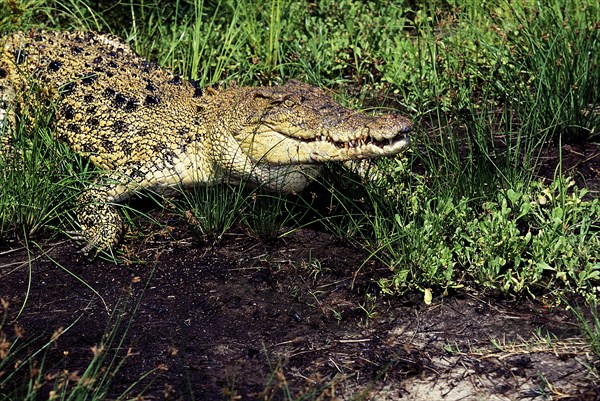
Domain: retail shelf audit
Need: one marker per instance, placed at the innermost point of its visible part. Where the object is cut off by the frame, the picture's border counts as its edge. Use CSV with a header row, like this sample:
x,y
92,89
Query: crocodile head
x,y
300,124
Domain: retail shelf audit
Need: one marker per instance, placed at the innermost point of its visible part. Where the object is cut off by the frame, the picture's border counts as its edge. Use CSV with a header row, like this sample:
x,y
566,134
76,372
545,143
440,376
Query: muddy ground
x,y
249,320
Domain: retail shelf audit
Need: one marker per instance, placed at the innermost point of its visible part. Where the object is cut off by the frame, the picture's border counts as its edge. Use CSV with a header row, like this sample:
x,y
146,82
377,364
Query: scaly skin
x,y
146,128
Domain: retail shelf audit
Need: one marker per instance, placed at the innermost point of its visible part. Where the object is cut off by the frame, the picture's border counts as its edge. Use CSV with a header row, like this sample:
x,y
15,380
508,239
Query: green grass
x,y
267,215
211,211
39,179
489,84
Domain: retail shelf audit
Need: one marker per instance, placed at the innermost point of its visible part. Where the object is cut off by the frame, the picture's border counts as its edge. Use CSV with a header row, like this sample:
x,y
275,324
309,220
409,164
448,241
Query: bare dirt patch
x,y
249,319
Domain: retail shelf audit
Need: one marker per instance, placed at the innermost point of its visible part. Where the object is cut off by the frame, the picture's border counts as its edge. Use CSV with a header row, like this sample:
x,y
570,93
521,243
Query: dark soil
x,y
248,320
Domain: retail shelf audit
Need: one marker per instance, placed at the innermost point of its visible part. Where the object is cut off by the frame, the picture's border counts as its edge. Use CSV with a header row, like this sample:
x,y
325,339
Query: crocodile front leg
x,y
100,222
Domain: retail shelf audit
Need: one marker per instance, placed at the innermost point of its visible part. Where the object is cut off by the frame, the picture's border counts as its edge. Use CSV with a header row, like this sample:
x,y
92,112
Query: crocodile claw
x,y
101,227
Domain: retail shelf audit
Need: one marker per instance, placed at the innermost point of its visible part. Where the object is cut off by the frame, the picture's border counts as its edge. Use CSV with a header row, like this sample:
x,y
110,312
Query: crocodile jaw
x,y
320,152
279,145
274,148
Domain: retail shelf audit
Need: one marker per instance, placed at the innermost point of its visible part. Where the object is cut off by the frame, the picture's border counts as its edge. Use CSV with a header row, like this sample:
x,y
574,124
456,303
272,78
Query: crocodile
x,y
146,128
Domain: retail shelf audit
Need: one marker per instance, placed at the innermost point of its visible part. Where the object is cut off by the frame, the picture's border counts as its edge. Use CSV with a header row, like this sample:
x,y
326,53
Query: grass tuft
x,y
38,177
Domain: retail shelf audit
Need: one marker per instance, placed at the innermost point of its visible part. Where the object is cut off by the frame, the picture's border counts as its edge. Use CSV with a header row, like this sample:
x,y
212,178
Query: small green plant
x,y
315,267
369,307
534,239
337,315
544,239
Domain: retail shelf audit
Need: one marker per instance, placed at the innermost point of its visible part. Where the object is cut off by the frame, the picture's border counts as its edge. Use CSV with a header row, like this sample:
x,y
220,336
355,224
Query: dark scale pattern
x,y
151,101
126,149
108,145
158,149
168,156
198,92
68,112
88,148
120,100
131,105
54,66
119,126
74,128
89,79
109,92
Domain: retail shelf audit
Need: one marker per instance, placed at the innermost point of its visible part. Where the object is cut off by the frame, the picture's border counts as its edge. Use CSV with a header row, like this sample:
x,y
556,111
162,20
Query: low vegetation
x,y
491,86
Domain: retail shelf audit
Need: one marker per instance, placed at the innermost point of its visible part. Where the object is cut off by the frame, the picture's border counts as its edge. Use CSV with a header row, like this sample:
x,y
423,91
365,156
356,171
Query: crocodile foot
x,y
100,225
